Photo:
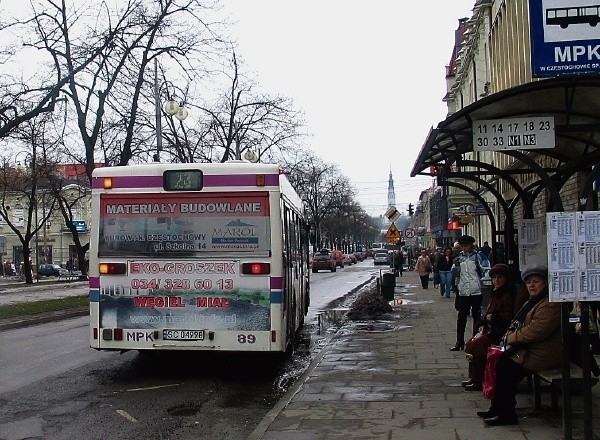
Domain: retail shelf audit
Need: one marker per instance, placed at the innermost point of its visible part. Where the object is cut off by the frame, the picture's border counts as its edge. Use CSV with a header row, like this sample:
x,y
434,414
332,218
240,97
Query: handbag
x,y
494,353
477,345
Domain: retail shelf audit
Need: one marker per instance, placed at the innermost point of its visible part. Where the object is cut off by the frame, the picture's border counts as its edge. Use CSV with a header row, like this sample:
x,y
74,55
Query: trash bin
x,y
486,290
388,284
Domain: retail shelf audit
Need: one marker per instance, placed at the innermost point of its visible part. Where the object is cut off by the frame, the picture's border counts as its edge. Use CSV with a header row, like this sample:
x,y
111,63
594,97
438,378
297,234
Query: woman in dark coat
x,y
492,326
535,340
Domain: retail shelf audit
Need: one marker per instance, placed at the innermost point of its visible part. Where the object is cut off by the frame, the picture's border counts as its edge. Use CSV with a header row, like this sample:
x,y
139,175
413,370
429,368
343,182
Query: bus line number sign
x,y
513,134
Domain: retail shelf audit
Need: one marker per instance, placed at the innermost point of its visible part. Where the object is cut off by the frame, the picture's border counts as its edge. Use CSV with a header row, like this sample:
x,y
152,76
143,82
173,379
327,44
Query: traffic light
x,y
411,211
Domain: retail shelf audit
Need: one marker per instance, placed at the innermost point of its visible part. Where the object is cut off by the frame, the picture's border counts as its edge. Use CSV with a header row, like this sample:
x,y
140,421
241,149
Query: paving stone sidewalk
x,y
399,380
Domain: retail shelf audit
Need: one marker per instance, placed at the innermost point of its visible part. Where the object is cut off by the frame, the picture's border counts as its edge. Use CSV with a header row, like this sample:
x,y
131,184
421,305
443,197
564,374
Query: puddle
x,y
328,321
378,326
407,302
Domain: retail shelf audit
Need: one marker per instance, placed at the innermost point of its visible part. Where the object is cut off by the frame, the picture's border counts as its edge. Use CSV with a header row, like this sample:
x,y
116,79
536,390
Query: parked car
x,y
350,259
381,257
339,258
323,261
51,270
360,256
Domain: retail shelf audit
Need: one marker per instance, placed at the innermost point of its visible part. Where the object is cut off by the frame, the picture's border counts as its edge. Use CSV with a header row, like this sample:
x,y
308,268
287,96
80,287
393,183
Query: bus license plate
x,y
183,335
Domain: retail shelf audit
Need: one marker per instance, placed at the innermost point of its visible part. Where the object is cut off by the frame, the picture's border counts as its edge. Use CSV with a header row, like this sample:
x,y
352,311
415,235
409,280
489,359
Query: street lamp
x,y
171,107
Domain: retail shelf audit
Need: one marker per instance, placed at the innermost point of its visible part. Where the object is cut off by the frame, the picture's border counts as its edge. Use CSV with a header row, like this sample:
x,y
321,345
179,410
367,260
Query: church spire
x,y
391,193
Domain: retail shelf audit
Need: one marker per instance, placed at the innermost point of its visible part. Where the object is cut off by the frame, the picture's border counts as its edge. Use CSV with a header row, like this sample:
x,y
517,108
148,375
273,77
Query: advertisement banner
x,y
185,295
183,224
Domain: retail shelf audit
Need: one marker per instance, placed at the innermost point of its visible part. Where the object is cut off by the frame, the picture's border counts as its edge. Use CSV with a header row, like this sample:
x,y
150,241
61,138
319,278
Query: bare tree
x,y
103,64
25,203
245,120
70,193
329,198
100,63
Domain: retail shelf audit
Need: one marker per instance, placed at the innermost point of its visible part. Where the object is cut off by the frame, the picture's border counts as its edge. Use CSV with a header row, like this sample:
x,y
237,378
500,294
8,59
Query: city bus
x,y
211,256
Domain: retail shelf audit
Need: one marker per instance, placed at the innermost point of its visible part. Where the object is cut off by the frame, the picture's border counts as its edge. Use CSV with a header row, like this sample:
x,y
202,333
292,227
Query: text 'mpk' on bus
x,y
197,257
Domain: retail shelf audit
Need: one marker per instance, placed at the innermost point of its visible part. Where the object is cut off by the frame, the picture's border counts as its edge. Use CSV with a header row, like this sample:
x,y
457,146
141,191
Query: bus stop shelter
x,y
574,103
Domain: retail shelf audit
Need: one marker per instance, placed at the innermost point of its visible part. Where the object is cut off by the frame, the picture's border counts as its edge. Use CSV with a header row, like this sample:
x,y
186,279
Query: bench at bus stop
x,y
553,378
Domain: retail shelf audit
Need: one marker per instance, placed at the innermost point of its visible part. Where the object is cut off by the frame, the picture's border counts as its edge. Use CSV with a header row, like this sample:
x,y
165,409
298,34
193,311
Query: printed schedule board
x,y
573,242
565,37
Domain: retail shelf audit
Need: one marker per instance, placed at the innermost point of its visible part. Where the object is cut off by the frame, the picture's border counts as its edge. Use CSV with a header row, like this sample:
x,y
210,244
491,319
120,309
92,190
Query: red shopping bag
x,y
489,377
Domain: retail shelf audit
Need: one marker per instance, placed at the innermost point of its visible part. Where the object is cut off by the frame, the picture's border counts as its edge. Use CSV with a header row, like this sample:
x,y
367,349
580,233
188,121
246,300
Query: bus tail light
x,y
273,336
110,334
256,268
112,268
95,331
118,334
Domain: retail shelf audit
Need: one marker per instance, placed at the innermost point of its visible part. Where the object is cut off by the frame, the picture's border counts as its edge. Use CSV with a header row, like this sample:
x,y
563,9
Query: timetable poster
x,y
588,239
532,243
573,242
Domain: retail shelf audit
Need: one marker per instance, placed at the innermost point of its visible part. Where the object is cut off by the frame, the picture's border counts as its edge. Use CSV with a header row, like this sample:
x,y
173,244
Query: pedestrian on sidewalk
x,y
532,343
435,259
492,326
398,262
471,270
424,268
445,263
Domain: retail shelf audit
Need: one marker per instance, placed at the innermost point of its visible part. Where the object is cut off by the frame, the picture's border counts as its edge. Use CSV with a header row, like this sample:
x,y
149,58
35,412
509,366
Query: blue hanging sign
x,y
565,37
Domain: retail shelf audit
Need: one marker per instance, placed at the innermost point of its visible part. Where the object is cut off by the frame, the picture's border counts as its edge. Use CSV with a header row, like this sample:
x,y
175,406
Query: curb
x,y
265,423
24,321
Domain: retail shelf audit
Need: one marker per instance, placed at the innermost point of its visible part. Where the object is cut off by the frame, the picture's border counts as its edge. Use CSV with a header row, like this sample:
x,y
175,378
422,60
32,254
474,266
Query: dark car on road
x,y
323,261
51,270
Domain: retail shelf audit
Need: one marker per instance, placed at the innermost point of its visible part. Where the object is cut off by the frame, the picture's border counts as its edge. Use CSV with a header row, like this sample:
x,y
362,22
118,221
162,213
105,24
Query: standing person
x,y
423,268
486,249
471,270
535,340
435,258
398,262
444,265
498,253
492,326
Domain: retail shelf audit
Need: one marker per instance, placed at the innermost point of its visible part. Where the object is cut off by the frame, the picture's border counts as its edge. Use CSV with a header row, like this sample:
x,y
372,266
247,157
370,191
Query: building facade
x,y
488,192
53,242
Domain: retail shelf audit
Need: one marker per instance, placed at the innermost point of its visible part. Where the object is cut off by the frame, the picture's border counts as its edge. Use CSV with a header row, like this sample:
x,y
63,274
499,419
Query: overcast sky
x,y
369,76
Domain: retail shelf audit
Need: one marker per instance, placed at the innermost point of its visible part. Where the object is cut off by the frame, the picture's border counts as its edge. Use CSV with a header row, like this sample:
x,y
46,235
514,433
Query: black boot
x,y
486,414
460,345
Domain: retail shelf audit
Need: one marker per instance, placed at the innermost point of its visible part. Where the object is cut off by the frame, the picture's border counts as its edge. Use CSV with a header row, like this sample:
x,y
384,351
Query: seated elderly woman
x,y
492,326
534,339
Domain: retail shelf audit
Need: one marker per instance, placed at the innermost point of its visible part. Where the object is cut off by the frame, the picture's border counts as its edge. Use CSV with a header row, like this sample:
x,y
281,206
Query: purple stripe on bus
x,y
209,181
276,283
131,182
240,180
94,282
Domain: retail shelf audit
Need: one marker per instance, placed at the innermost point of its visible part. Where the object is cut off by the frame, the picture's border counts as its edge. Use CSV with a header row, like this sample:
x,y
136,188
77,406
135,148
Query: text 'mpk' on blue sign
x,y
565,37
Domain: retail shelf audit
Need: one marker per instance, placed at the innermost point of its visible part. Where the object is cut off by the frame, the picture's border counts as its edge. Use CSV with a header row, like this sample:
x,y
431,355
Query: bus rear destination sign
x,y
513,134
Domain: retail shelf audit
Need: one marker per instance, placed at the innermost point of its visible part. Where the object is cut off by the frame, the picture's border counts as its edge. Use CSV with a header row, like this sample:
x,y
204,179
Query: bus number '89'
x,y
246,339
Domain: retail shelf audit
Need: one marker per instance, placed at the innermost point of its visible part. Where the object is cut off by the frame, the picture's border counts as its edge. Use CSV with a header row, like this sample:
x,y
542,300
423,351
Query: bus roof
x,y
157,168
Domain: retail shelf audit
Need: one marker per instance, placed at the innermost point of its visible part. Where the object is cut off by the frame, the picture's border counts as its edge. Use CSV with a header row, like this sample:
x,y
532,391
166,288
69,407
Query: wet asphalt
x,y
392,379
